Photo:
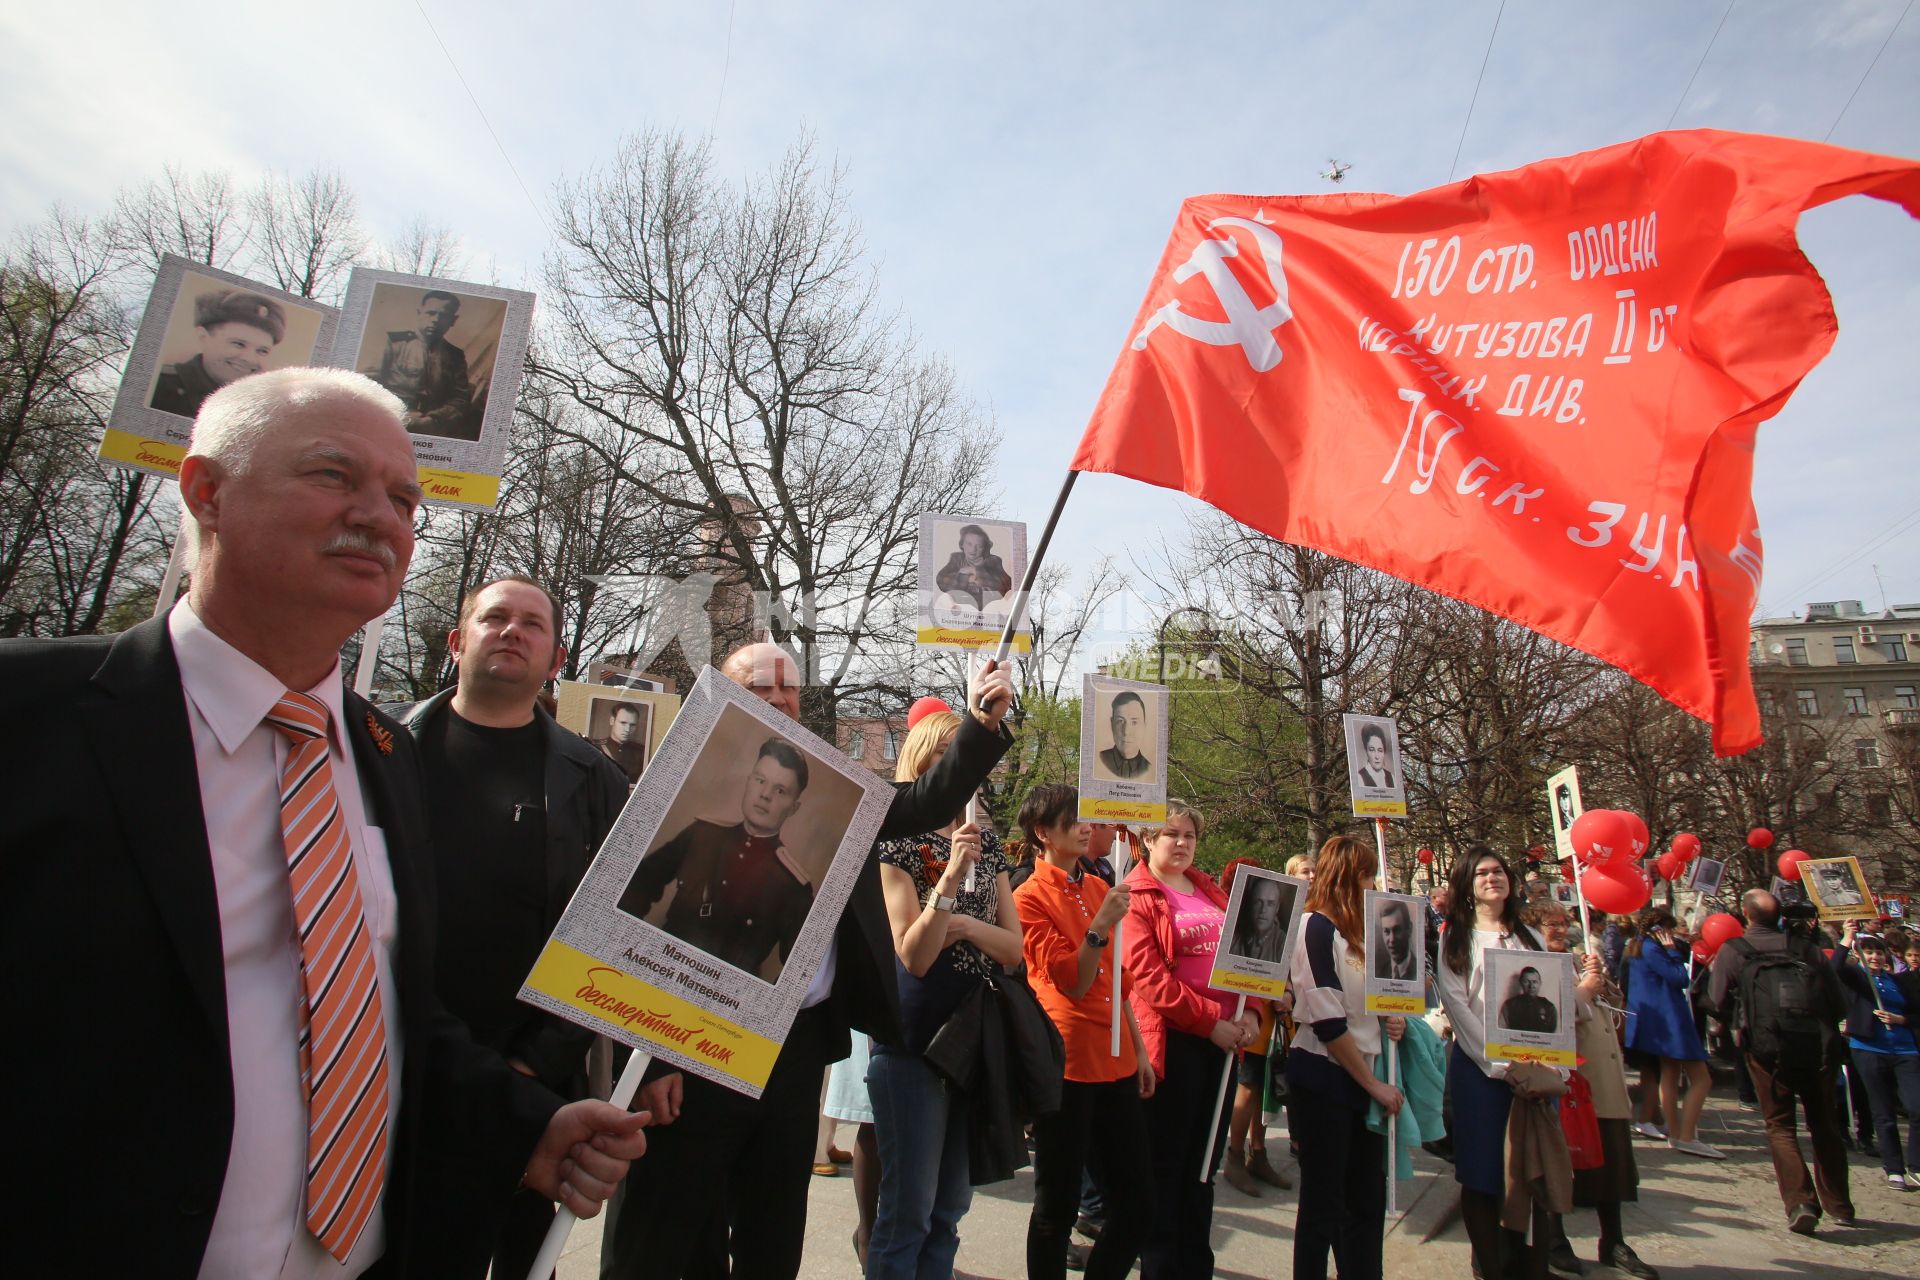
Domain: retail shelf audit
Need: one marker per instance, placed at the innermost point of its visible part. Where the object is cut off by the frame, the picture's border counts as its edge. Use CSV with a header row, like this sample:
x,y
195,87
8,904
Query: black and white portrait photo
x,y
1523,1007
1373,766
1259,929
1706,875
434,348
1838,888
1563,806
621,728
1395,945
733,869
1130,735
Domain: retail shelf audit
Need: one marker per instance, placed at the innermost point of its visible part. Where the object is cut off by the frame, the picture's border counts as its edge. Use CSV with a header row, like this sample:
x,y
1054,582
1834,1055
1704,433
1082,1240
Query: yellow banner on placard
x,y
971,638
1129,811
608,995
1253,985
1379,808
468,488
143,452
1396,1004
1527,1053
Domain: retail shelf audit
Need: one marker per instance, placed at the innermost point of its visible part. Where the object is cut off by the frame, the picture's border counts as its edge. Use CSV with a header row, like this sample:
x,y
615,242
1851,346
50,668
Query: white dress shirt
x,y
259,1228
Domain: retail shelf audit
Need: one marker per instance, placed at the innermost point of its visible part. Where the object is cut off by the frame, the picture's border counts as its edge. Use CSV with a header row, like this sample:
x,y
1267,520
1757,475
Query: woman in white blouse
x,y
1330,1079
1483,914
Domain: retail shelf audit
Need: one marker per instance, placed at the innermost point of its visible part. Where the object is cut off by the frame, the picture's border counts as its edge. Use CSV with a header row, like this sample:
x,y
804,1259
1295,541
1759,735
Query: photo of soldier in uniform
x,y
744,843
1128,727
1706,876
1838,888
218,333
1563,807
434,348
1524,1008
621,728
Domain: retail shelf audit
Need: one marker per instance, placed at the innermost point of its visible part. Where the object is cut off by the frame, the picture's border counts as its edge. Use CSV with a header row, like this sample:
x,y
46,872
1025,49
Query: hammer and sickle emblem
x,y
1249,326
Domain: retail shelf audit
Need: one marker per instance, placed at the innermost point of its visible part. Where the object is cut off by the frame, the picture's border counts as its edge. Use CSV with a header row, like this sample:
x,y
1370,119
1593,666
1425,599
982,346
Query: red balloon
x,y
1700,953
1425,856
1717,930
1641,839
1600,836
1668,864
1789,864
1759,838
1616,889
1687,845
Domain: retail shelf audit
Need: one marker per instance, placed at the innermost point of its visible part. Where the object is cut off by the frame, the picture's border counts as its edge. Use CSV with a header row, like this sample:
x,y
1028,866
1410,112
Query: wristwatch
x,y
939,901
1098,939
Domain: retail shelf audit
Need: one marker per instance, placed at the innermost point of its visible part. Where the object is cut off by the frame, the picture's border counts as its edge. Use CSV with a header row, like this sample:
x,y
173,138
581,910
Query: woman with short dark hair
x,y
1660,1025
1067,918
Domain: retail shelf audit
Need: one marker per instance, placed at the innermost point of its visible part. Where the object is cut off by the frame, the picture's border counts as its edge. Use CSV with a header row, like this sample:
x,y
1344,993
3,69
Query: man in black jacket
x,y
517,807
724,1185
1778,1088
147,919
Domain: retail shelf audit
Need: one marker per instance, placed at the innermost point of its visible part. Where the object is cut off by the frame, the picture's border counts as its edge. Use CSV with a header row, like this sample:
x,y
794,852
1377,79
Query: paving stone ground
x,y
1695,1220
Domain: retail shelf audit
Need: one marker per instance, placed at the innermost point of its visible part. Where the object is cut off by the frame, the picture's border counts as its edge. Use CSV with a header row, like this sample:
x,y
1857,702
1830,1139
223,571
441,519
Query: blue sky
x,y
1016,167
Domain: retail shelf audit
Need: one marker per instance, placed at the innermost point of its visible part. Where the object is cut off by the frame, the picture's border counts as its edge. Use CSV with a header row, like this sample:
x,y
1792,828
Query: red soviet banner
x,y
1536,390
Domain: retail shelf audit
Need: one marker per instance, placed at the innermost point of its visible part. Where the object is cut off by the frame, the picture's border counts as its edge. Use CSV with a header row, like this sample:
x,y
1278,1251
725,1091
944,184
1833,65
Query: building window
x,y
890,748
1856,700
1809,701
1896,649
1797,652
1880,808
1866,753
857,743
1769,702
1904,696
1843,649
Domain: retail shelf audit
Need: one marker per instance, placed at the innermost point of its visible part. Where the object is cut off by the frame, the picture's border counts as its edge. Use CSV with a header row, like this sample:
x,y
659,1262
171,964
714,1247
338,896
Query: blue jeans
x,y
920,1123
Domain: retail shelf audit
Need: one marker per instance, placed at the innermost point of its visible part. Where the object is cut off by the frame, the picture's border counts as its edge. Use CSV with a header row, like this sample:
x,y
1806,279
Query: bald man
x,y
723,1189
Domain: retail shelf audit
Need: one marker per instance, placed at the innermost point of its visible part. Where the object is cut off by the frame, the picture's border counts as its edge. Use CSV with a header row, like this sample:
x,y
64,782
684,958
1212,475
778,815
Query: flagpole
x,y
1393,1055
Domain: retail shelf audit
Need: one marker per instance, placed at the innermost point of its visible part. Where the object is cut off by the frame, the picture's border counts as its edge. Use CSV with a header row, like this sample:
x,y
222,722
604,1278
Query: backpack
x,y
1783,1015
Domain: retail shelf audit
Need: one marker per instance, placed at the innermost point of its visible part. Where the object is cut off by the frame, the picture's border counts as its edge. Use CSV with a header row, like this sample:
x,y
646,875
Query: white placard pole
x,y
556,1242
1393,1056
973,798
1122,863
369,655
1220,1098
176,562
1580,897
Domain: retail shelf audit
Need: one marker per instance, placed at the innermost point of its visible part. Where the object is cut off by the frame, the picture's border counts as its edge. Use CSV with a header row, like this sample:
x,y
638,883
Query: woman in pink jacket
x,y
1190,1030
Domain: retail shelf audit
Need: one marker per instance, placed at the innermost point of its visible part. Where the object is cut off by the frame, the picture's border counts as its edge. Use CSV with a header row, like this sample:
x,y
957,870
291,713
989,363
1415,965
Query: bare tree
x,y
198,216
306,232
424,249
735,336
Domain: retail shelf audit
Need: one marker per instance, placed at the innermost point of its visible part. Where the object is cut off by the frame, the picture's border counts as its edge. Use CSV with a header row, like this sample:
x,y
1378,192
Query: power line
x,y
1703,62
1869,71
481,112
726,65
1474,101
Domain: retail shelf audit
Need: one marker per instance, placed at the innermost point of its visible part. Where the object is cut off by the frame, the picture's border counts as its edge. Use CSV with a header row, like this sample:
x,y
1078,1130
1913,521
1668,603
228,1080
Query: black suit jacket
x,y
110,943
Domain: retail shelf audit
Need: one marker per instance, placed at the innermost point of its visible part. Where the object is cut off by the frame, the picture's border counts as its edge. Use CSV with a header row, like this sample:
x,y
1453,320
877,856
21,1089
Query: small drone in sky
x,y
1336,170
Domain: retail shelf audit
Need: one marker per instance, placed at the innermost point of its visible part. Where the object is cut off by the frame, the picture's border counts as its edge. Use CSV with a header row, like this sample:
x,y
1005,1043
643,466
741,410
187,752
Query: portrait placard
x,y
587,709
1396,953
454,352
714,899
1837,887
1123,751
1374,778
1706,875
1259,933
1563,806
203,328
970,571
1530,1007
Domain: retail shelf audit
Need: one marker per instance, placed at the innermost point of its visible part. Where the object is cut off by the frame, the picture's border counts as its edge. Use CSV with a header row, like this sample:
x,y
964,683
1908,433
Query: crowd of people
x,y
330,908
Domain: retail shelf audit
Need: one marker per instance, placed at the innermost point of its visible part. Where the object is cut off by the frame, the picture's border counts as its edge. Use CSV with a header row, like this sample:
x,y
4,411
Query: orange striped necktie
x,y
343,1031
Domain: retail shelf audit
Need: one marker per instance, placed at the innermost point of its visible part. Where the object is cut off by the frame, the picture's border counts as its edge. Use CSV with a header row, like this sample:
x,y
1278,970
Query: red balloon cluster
x,y
1425,856
1684,849
1789,864
1609,844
